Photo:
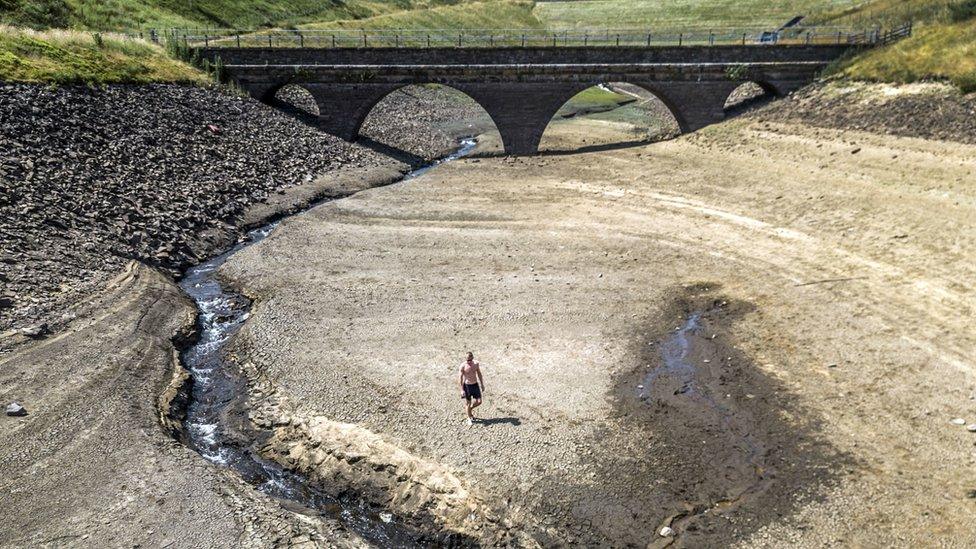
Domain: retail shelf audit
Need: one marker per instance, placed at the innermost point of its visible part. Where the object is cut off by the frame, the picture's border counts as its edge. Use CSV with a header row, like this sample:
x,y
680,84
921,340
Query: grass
x,y
679,14
502,14
889,13
72,57
130,15
943,51
944,46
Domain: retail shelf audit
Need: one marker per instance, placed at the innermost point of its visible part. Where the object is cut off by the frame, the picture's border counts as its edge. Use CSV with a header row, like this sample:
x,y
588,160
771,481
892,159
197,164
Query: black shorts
x,y
472,390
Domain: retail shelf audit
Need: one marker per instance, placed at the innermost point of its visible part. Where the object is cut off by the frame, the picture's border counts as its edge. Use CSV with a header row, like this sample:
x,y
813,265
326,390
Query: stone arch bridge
x,y
521,88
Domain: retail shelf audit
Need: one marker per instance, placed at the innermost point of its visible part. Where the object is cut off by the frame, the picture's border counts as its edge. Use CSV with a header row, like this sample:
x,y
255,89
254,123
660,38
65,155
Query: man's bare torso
x,y
469,372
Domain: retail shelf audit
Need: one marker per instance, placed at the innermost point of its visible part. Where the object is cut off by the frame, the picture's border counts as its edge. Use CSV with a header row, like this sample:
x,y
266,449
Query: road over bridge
x,y
521,88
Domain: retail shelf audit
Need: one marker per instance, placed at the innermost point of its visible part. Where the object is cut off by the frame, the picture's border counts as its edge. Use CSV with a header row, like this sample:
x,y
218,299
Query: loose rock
x,y
15,410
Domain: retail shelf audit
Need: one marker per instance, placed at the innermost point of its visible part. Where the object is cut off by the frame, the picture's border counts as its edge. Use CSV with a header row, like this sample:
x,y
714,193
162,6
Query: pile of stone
x,y
92,177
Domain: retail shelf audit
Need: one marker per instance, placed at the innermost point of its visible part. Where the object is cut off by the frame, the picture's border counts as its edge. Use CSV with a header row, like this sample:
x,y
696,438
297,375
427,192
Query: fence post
x,y
681,37
618,39
838,37
459,40
743,39
428,40
808,37
238,40
398,40
333,40
491,40
711,38
523,40
554,40
586,39
206,41
269,39
301,40
364,40
648,39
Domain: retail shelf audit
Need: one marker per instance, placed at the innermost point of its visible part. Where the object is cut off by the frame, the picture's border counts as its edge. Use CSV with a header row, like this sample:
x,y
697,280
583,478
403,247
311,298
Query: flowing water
x,y
217,384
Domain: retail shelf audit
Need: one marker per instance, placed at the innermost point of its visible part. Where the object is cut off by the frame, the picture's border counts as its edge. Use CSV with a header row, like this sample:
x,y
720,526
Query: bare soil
x,y
832,266
845,258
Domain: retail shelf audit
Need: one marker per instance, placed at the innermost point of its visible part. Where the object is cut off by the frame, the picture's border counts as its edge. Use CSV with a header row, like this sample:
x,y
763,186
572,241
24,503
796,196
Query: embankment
x,y
159,173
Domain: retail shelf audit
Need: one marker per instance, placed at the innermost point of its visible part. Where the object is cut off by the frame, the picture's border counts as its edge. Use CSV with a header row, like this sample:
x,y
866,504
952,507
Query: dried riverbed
x,y
832,267
557,271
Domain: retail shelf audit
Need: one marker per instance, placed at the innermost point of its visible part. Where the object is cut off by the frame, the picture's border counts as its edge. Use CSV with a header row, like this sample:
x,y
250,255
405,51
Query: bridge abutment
x,y
344,107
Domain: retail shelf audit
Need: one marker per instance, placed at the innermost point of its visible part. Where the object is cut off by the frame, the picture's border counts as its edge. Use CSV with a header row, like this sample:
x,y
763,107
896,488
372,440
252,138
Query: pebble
x,y
15,410
666,532
958,421
971,427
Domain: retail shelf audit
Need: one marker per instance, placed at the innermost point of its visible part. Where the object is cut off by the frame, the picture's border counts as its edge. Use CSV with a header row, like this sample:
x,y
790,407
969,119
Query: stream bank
x,y
212,415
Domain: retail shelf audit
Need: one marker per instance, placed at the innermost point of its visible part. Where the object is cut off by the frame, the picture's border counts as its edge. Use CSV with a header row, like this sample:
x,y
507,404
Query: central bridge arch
x,y
424,120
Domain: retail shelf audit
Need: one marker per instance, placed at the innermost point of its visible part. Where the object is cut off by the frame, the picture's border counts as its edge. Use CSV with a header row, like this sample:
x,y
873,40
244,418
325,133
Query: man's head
x,y
470,356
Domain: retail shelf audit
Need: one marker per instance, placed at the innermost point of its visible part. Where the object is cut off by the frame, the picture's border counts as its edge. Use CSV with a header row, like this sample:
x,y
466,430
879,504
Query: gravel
x,y
925,110
94,177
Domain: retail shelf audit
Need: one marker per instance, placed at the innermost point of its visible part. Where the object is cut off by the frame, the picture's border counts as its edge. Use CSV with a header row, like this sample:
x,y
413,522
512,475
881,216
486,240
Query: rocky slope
x,y
160,173
927,110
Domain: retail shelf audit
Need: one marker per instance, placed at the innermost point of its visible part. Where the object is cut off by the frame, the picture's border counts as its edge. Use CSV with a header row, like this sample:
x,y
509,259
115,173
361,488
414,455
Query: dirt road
x,y
834,277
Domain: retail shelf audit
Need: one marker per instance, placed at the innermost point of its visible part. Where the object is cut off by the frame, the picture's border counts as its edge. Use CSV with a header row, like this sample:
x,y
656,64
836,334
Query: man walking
x,y
471,385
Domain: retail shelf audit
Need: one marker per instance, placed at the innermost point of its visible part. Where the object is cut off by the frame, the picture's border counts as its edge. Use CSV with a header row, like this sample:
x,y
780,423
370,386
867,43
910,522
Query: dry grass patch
x,y
72,57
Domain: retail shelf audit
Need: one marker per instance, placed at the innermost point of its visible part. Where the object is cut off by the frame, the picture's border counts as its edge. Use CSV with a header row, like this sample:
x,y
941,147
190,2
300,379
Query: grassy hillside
x,y
679,14
943,51
140,14
895,12
499,14
70,57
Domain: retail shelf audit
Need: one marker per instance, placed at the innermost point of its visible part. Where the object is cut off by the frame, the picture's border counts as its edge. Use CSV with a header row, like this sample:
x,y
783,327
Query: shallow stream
x,y
217,384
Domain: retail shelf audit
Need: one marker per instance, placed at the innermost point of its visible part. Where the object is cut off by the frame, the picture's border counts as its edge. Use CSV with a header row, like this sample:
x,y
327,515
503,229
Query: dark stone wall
x,y
532,55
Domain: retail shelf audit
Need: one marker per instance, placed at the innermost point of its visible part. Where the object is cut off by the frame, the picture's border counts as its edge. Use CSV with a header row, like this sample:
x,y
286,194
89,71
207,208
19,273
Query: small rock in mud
x,y
958,421
16,410
35,332
666,532
971,427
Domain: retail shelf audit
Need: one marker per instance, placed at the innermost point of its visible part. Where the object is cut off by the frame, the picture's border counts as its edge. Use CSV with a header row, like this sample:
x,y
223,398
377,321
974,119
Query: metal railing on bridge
x,y
488,38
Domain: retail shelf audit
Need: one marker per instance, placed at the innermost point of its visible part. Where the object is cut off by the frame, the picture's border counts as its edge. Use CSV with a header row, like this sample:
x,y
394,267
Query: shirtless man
x,y
471,385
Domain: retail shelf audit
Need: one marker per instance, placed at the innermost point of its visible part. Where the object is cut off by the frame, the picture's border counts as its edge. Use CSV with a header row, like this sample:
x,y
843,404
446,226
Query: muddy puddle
x,y
705,446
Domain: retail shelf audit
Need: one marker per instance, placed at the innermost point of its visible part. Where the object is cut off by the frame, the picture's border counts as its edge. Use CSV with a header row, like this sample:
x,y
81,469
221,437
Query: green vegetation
x,y
500,14
129,15
71,57
944,45
701,15
595,99
889,13
940,51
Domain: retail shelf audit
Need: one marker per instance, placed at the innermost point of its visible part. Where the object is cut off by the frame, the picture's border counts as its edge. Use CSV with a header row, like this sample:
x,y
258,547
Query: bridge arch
x,y
296,100
647,114
436,105
750,94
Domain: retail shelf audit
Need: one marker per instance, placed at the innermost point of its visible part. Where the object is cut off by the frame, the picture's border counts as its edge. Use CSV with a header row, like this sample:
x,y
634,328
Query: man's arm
x,y
461,379
481,379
